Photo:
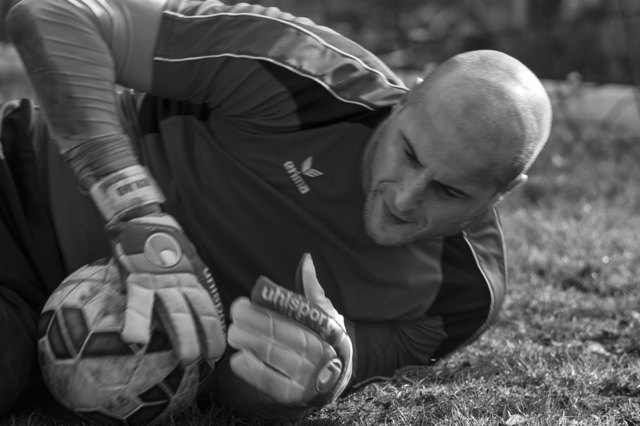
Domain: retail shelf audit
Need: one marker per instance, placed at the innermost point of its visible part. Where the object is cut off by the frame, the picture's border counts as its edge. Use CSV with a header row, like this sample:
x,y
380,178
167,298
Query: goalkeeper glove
x,y
161,268
293,348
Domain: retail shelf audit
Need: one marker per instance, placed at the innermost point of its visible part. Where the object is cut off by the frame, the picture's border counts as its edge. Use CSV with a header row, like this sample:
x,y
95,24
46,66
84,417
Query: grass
x,y
566,348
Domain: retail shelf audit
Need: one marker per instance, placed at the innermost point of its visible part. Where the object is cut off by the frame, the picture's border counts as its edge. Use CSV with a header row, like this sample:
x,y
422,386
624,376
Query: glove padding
x,y
293,348
163,272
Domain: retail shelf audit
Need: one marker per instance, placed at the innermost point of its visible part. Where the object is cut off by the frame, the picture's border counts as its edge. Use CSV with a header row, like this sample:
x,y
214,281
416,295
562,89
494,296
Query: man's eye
x,y
411,155
451,192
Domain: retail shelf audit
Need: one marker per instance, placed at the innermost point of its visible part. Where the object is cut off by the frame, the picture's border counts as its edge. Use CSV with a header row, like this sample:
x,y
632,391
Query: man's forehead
x,y
470,154
455,162
466,171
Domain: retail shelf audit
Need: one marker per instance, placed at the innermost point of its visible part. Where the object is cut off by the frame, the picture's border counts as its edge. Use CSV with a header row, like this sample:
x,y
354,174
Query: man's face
x,y
421,179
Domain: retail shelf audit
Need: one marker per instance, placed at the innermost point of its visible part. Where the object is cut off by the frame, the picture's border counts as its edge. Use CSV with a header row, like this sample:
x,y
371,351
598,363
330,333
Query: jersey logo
x,y
308,170
296,175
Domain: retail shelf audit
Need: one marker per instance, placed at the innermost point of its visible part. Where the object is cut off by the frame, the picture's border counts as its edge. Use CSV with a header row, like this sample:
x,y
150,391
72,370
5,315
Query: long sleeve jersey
x,y
254,124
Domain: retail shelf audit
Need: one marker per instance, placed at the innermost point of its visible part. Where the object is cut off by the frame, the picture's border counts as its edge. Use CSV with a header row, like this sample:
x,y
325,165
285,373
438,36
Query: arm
x,y
74,53
472,291
384,347
155,47
474,277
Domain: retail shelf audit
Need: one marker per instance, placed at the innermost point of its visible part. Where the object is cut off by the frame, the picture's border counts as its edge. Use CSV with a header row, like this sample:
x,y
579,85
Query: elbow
x,y
31,20
19,22
24,23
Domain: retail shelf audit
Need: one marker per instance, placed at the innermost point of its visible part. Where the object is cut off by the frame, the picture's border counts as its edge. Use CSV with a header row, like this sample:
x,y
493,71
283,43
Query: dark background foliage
x,y
599,39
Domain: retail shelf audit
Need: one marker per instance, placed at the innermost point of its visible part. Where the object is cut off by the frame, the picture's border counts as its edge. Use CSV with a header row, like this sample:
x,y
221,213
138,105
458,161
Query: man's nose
x,y
411,193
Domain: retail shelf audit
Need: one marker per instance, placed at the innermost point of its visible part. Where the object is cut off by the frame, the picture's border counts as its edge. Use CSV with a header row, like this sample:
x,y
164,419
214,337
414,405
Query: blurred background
x,y
599,39
586,51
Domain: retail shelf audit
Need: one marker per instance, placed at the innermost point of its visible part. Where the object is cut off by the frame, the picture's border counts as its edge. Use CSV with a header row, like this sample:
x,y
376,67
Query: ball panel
x,y
119,401
56,340
146,413
76,326
154,394
69,385
103,344
60,294
44,322
156,365
204,369
113,371
106,309
174,378
83,291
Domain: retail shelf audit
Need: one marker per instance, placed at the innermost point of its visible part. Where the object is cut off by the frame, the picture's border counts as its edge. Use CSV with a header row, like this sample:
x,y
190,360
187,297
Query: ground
x,y
566,348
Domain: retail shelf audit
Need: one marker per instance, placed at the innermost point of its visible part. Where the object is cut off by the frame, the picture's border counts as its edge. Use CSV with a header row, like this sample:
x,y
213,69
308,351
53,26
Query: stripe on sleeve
x,y
344,68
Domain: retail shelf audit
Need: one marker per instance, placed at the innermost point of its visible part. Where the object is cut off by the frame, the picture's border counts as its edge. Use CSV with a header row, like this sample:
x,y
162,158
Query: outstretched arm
x,y
75,53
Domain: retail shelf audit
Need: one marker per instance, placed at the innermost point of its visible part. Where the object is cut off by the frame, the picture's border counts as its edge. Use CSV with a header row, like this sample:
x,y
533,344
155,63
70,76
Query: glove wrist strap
x,y
123,191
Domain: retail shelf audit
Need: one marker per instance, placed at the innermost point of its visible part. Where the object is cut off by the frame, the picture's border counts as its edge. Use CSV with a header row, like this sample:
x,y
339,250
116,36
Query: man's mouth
x,y
393,216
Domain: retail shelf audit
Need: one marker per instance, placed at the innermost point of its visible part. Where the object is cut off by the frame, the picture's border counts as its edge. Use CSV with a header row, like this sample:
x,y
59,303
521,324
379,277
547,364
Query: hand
x,y
163,272
294,348
161,268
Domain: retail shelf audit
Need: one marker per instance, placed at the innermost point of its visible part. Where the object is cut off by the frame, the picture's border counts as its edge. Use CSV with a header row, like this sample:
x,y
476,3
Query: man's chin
x,y
392,238
386,233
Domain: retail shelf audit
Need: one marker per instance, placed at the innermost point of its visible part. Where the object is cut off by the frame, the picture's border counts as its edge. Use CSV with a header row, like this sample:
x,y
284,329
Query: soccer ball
x,y
91,371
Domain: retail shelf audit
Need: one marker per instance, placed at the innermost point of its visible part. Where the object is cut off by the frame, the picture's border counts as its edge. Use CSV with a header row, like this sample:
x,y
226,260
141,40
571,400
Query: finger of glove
x,y
138,311
254,328
175,313
268,326
313,289
280,358
211,333
307,279
274,384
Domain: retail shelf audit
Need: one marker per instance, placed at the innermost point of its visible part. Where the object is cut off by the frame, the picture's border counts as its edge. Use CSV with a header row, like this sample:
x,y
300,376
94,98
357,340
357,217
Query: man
x,y
276,145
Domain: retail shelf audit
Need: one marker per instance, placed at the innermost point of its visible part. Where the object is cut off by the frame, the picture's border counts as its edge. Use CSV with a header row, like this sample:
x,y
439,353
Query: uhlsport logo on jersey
x,y
297,175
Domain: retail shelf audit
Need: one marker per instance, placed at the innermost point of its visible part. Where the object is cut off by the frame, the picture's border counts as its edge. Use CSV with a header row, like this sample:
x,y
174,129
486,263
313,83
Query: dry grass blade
x,y
566,349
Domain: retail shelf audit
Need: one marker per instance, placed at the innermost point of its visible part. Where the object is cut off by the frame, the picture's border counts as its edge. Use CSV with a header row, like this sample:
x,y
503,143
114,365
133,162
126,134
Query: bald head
x,y
492,105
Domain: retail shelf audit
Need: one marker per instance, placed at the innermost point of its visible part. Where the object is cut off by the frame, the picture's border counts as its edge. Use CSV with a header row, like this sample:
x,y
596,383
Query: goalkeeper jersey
x,y
255,129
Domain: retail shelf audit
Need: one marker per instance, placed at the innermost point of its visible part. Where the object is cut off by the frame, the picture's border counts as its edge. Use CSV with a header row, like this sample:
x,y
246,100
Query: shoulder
x,y
485,239
474,281
291,46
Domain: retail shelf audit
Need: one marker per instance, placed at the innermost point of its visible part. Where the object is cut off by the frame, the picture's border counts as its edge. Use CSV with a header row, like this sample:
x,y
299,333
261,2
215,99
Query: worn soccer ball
x,y
91,371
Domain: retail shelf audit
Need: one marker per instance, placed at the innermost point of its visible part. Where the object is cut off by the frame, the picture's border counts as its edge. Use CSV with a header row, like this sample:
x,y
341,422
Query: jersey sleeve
x,y
74,54
474,279
264,66
238,60
384,347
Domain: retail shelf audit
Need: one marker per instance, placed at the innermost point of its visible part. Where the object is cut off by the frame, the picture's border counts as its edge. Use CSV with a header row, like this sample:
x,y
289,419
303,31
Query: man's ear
x,y
519,180
522,178
402,102
397,107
